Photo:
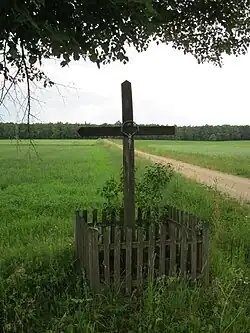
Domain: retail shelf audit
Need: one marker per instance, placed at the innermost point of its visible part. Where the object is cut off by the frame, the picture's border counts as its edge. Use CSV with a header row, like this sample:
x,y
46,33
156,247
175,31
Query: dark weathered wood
x,y
128,260
106,250
115,131
162,264
192,222
183,263
94,217
140,249
151,251
172,262
205,254
128,157
104,223
112,225
85,240
78,245
89,248
95,259
90,256
117,257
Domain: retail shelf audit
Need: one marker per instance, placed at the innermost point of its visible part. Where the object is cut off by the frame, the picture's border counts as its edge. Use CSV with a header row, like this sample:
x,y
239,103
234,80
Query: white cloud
x,y
168,88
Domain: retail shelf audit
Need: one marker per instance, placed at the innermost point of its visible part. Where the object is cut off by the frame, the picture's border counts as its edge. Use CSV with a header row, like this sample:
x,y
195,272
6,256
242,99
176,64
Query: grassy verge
x,y
40,287
229,157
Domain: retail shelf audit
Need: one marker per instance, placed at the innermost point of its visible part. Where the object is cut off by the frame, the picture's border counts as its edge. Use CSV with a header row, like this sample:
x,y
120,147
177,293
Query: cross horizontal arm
x,y
99,131
115,131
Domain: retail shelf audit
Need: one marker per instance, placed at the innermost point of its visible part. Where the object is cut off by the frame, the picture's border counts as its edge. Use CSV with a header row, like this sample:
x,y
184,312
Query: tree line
x,y
69,131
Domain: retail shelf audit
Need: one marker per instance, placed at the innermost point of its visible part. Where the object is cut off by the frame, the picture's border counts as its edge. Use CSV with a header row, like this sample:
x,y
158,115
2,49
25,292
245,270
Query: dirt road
x,y
234,186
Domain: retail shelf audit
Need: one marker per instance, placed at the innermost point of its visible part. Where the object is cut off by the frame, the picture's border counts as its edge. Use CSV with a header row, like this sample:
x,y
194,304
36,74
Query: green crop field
x,y
41,289
229,156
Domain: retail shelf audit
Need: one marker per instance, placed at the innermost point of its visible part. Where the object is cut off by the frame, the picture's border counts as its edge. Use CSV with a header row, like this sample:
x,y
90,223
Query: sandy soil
x,y
234,186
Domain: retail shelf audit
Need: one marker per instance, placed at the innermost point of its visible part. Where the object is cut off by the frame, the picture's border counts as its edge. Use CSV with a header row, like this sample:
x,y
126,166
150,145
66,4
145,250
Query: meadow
x,y
41,288
229,156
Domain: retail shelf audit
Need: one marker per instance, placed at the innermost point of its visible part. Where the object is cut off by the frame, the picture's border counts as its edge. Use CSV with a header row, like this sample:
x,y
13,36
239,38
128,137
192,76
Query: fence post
x,y
95,259
205,253
172,248
139,249
151,251
77,234
128,259
184,235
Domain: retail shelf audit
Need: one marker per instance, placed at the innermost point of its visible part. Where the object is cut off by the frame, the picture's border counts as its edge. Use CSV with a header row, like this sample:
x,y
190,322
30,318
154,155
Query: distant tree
x,y
212,137
32,30
69,131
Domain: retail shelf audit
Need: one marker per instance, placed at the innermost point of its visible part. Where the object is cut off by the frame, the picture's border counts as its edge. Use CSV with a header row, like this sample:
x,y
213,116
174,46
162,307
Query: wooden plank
x,y
162,268
115,131
77,234
95,260
134,245
140,250
90,256
94,217
99,131
128,260
106,250
183,240
104,223
172,238
128,157
117,257
205,254
151,251
121,223
112,225
84,241
192,223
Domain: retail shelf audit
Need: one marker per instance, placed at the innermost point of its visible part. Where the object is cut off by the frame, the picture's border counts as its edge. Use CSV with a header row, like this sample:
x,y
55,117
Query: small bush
x,y
149,188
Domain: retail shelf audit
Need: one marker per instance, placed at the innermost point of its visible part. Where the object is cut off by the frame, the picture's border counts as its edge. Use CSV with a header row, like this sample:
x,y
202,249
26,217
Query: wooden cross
x,y
128,130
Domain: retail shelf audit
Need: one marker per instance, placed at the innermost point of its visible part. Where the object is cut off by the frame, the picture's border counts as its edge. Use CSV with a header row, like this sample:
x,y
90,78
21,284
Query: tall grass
x,y
41,288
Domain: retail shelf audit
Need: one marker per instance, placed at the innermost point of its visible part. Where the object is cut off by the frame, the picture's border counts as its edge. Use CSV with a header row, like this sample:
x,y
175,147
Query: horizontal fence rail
x,y
174,243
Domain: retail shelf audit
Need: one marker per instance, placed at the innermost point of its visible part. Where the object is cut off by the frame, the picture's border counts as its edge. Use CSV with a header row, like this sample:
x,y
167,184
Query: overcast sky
x,y
168,88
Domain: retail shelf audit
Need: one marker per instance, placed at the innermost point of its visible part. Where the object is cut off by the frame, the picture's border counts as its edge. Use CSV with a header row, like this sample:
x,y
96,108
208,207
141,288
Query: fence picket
x,y
205,254
117,257
140,250
122,248
78,245
90,256
172,247
95,259
94,217
106,260
162,265
128,245
151,252
184,236
193,248
85,241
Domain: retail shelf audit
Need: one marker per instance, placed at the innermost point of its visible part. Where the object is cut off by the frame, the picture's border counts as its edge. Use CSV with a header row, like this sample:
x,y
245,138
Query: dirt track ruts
x,y
235,186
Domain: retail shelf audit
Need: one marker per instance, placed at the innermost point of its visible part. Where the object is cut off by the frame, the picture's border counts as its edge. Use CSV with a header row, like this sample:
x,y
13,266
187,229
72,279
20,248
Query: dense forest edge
x,y
69,131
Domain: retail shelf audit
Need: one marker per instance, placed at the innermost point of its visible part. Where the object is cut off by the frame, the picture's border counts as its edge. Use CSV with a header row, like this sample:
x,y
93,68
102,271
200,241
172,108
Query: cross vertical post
x,y
128,156
128,131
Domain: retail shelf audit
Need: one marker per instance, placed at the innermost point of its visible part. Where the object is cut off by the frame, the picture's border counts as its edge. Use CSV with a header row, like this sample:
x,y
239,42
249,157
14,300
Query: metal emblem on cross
x,y
128,131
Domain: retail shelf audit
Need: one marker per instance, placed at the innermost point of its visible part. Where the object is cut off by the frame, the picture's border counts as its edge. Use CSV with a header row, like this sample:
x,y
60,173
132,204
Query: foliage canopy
x,y
32,30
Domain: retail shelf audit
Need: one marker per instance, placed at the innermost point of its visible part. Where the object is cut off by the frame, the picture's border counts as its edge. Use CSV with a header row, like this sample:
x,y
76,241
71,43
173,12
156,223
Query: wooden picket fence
x,y
174,244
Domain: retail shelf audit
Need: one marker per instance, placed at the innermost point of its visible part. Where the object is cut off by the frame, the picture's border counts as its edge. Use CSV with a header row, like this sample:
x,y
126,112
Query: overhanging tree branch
x,y
100,30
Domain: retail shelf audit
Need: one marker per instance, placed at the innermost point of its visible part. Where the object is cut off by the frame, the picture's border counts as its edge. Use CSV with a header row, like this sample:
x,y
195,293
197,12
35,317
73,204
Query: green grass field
x,y
41,289
230,157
